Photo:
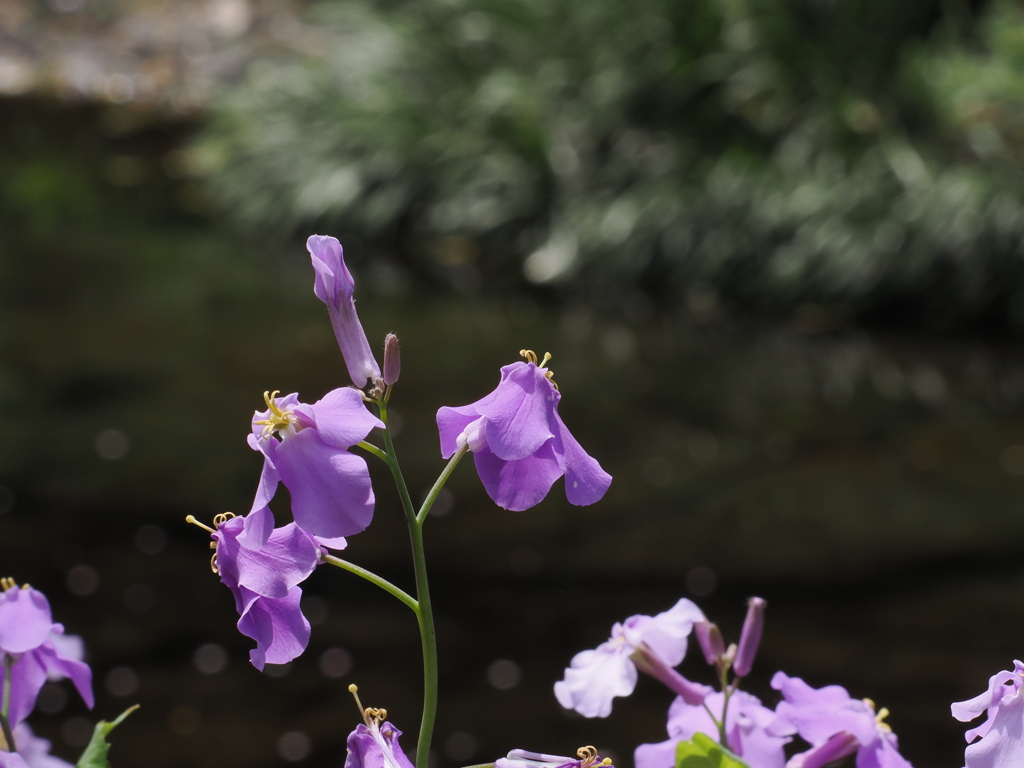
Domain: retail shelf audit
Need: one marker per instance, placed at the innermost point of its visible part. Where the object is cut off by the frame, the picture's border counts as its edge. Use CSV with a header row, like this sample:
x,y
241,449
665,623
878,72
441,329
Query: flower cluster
x,y
834,724
33,649
520,445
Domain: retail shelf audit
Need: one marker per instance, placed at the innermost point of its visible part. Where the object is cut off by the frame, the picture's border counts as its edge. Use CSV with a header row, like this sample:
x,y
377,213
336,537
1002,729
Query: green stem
x,y
373,578
727,690
5,722
439,484
425,614
371,448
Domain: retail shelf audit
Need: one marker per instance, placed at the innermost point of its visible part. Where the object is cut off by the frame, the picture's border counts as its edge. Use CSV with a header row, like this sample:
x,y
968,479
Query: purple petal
x,y
12,760
342,418
666,634
376,746
882,752
59,664
750,637
585,481
335,543
257,527
25,619
1003,745
518,485
450,424
660,755
517,417
28,676
819,714
284,561
35,750
277,625
594,678
839,746
330,487
333,280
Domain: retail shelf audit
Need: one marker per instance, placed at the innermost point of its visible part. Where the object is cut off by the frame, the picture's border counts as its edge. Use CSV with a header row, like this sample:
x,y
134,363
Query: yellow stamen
x,y
880,716
588,758
191,519
531,357
370,715
223,517
7,583
279,418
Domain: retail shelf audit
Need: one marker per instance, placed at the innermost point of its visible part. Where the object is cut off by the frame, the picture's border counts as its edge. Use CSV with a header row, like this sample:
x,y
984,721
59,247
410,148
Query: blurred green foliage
x,y
856,153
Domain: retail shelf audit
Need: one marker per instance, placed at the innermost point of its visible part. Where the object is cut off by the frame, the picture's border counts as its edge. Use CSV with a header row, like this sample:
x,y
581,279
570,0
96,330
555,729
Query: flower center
x,y
880,716
279,419
588,758
531,357
218,521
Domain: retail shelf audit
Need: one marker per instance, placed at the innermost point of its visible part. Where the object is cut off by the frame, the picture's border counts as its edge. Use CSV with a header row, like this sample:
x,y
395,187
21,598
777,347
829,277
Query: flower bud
x,y
750,638
651,664
392,359
334,286
836,748
710,639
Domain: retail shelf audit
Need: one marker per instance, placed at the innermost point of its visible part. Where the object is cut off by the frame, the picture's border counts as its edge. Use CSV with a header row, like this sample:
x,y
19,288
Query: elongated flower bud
x,y
392,359
650,663
711,642
750,638
839,746
334,286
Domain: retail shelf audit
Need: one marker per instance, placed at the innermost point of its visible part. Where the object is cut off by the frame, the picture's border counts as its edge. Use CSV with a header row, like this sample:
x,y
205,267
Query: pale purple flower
x,y
334,286
752,731
39,648
1000,741
519,443
34,750
827,718
305,447
652,644
375,745
264,579
586,757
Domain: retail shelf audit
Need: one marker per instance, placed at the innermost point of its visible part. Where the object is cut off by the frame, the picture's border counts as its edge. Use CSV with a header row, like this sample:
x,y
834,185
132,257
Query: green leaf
x,y
95,755
704,752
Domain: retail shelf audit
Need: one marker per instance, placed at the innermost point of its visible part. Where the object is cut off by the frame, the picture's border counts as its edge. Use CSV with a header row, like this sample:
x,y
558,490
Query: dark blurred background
x,y
776,249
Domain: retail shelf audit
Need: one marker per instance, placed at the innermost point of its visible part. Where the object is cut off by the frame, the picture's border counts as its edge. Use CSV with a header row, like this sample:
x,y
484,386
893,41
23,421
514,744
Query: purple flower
x,y
334,286
35,751
653,644
752,731
330,487
586,757
39,649
264,579
519,442
375,745
829,719
1001,742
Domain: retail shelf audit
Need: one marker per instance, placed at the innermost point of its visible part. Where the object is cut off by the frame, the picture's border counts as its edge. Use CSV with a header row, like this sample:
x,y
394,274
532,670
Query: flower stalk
x,y
5,721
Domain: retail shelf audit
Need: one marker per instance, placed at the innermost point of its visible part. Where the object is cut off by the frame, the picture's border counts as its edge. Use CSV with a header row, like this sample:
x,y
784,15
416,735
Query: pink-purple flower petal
x,y
518,485
25,619
330,487
277,625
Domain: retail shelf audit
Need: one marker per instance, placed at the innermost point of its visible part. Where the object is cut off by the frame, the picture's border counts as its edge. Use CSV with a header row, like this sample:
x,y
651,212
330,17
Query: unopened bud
x,y
392,359
710,639
750,638
651,664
